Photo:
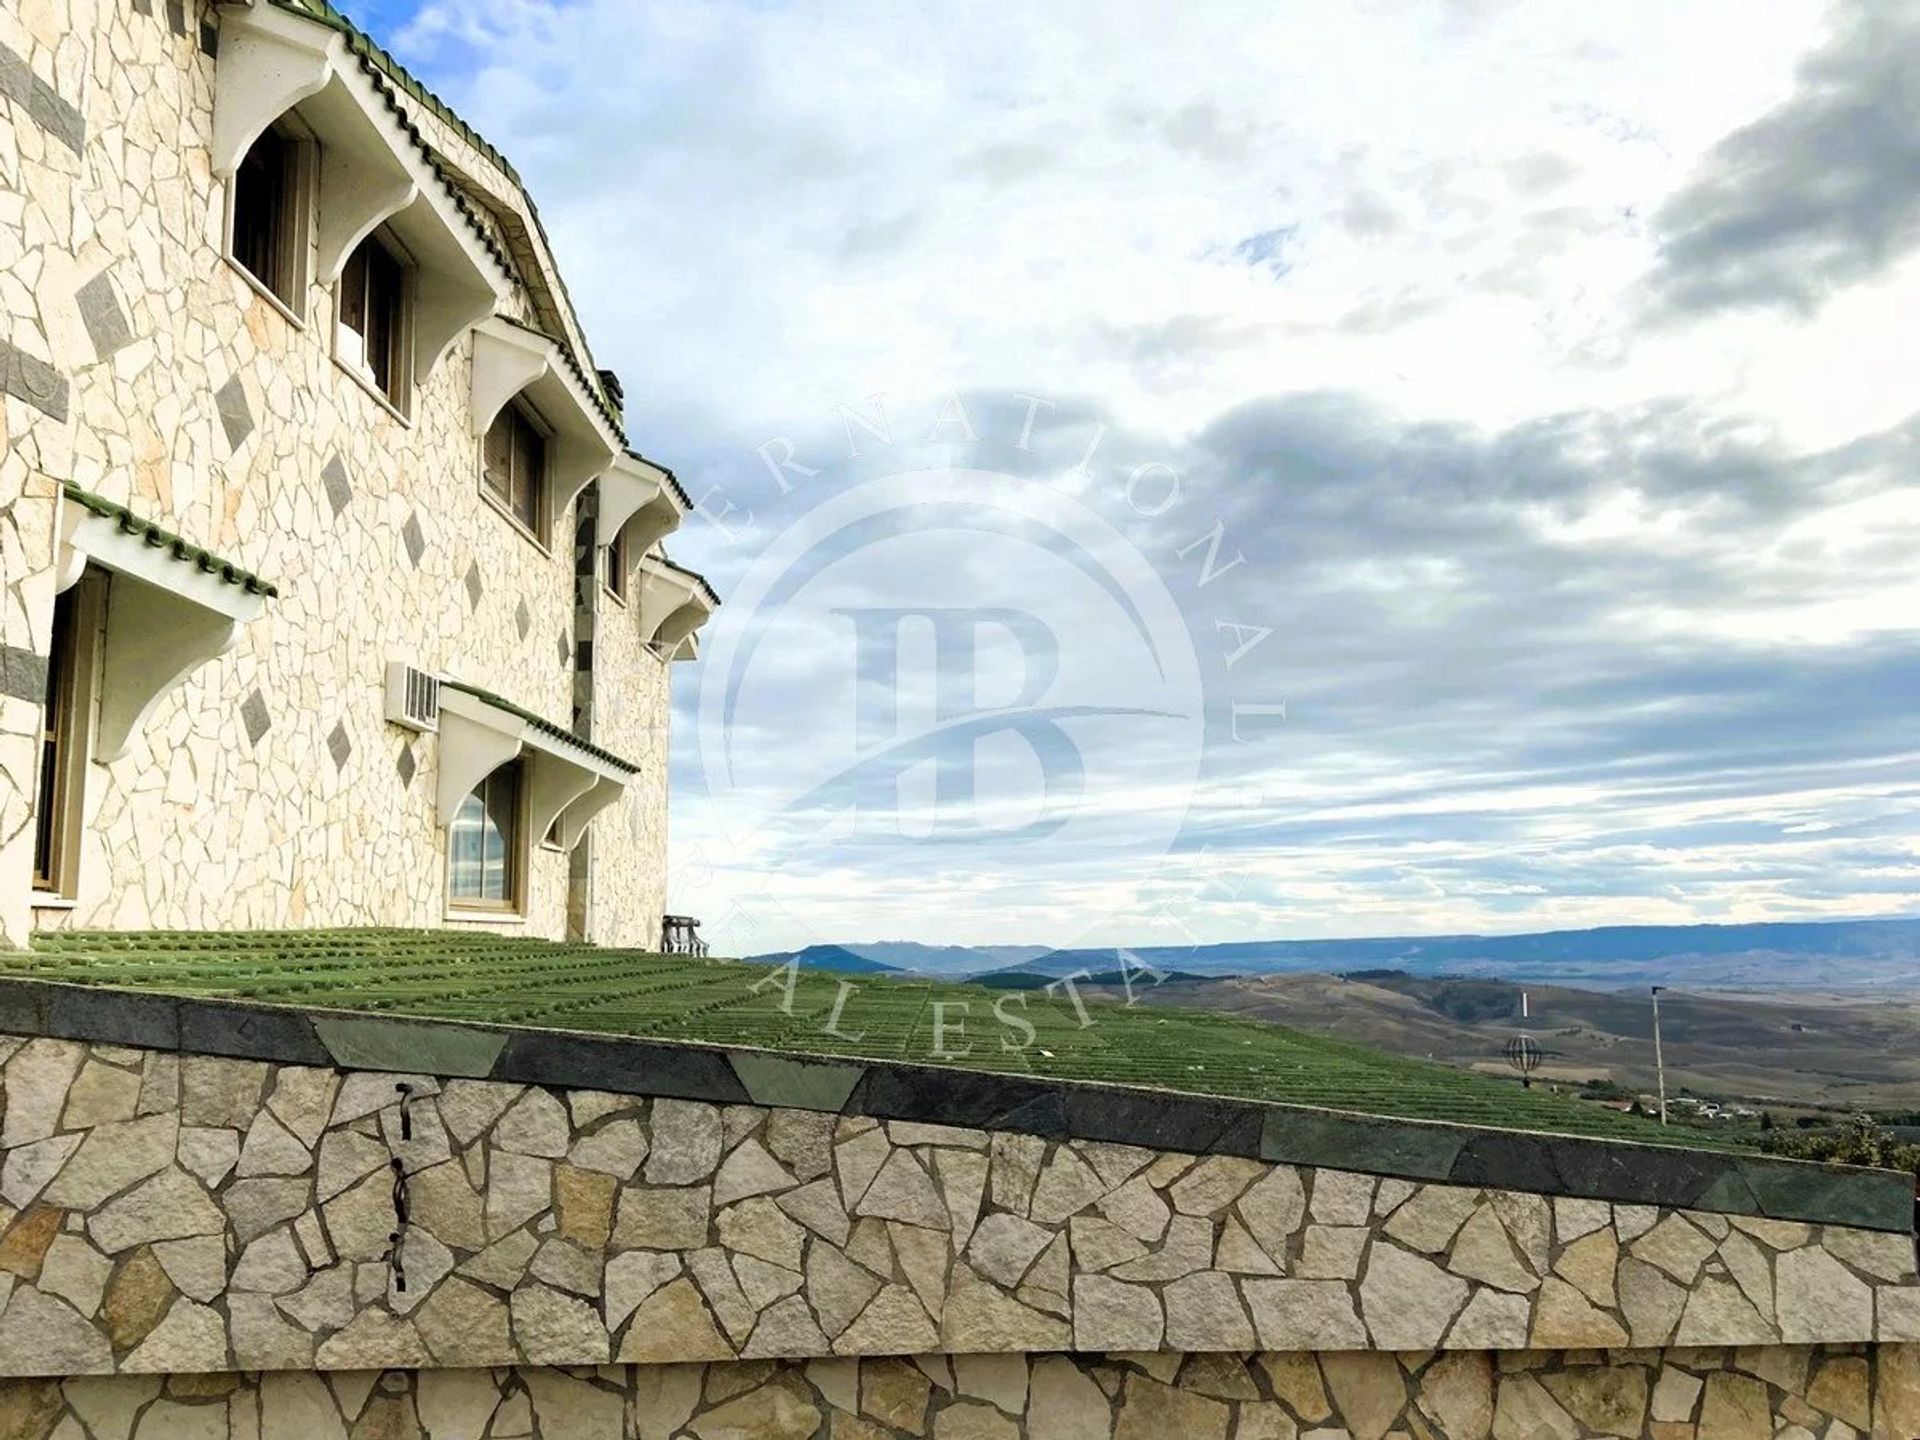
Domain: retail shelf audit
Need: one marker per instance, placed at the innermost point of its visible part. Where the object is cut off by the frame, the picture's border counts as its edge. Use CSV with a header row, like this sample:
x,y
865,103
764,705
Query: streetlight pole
x,y
1659,1060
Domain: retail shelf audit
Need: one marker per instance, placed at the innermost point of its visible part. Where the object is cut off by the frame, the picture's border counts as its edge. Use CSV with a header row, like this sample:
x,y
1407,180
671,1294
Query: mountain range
x,y
1819,954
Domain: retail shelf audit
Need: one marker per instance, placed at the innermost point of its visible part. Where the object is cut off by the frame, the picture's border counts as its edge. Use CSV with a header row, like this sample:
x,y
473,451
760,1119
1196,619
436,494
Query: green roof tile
x,y
160,538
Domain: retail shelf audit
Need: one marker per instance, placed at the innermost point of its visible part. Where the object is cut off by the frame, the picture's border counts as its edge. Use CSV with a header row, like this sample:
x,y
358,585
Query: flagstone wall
x,y
162,1212
1794,1393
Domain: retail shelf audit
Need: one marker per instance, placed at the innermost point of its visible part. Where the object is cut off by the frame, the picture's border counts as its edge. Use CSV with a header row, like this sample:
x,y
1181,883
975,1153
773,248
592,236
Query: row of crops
x,y
482,977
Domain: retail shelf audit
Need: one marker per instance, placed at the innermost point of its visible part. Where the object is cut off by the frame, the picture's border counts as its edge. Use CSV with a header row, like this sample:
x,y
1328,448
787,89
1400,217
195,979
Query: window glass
x,y
372,303
264,213
529,465
483,842
617,565
513,467
57,748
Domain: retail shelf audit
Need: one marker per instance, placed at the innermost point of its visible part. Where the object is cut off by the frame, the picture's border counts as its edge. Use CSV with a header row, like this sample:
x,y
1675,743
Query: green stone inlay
x,y
796,1084
1872,1199
162,539
1414,1151
405,1045
1730,1193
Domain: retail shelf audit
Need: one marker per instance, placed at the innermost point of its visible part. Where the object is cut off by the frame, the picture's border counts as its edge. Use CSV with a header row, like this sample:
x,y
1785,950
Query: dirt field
x,y
1827,1050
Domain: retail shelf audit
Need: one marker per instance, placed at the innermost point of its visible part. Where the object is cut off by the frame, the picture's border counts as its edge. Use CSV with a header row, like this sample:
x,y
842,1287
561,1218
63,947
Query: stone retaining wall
x,y
1794,1393
189,1213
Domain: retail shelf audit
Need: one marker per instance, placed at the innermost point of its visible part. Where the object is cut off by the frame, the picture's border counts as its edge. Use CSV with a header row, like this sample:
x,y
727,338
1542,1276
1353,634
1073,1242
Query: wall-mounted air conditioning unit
x,y
413,697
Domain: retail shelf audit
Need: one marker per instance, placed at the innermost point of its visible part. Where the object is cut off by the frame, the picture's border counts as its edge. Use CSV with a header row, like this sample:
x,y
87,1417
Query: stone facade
x,y
1793,1393
187,1213
141,365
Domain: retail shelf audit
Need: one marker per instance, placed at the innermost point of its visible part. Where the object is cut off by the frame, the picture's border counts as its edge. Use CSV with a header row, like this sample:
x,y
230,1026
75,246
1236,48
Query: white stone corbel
x,y
444,309
552,786
166,617
506,360
469,753
637,496
145,654
681,624
672,603
361,197
270,60
577,816
574,460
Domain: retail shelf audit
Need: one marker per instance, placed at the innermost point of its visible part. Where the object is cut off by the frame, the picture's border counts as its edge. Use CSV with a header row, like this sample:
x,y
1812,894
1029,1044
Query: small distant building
x,y
334,593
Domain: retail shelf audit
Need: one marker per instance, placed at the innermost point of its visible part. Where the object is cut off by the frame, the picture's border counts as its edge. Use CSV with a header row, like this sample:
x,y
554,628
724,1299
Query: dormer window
x,y
513,470
372,306
270,216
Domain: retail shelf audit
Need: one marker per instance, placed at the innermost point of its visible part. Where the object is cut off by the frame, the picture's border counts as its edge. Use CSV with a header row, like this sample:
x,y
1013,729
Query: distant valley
x,y
1821,1014
1812,955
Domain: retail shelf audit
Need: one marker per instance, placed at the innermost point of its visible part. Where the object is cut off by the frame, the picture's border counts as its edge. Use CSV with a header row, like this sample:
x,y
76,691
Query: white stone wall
x,y
632,717
205,410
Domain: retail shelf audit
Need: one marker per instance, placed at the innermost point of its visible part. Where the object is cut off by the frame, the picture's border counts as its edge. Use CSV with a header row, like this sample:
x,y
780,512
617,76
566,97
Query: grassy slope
x,y
518,982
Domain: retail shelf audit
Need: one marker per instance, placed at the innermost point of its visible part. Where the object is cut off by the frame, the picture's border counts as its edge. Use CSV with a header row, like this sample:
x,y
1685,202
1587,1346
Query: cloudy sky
x,y
1542,374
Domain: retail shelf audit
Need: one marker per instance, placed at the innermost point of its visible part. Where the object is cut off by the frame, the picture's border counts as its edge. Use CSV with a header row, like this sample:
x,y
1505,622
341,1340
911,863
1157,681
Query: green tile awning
x,y
158,537
545,726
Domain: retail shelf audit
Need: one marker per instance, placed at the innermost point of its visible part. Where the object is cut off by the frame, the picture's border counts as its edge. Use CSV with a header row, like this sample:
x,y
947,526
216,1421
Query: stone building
x,y
331,592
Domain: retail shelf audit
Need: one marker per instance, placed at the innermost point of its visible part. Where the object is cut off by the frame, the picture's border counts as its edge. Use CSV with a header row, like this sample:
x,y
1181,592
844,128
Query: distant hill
x,y
1821,954
827,957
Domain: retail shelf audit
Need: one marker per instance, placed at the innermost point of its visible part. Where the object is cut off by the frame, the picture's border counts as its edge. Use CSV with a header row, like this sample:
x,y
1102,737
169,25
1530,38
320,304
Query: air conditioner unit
x,y
413,697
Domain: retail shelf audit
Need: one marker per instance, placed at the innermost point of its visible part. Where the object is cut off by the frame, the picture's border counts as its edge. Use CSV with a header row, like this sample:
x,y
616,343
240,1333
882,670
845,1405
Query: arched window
x,y
514,466
269,234
485,846
372,305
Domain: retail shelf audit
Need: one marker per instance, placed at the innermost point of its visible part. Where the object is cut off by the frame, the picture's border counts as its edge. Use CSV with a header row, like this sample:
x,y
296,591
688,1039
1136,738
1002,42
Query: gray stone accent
x,y
340,744
100,312
406,765
23,674
338,487
523,619
415,541
475,586
800,1084
28,378
236,415
254,715
44,105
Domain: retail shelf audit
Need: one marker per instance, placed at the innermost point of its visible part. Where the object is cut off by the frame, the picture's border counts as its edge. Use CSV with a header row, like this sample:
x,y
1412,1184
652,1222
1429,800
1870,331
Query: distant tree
x,y
1860,1140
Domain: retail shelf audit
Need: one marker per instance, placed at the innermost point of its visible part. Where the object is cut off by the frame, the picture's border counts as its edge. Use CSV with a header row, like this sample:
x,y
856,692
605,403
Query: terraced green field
x,y
482,977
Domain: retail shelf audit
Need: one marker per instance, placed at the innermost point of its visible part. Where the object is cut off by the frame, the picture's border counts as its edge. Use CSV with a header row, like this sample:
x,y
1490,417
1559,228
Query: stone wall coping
x,y
1628,1172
